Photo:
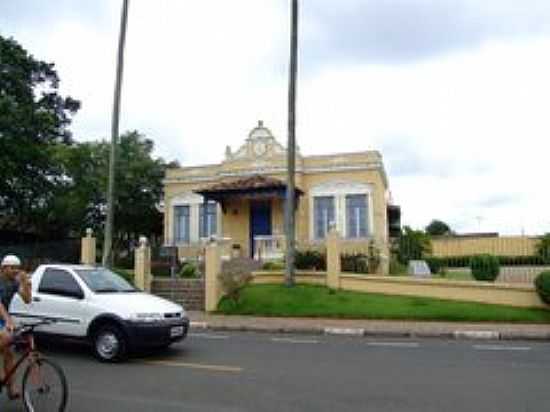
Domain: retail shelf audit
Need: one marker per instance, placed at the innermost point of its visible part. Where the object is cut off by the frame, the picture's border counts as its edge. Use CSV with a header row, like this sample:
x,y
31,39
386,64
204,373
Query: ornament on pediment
x,y
260,144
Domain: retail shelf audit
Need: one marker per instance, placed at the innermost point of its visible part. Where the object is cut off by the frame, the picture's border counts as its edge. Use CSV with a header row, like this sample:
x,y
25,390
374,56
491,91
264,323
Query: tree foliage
x,y
34,120
543,248
138,187
438,228
54,187
413,245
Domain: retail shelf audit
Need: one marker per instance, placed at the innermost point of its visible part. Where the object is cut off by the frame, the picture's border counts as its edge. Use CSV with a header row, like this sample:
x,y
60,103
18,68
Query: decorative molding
x,y
259,170
339,189
185,198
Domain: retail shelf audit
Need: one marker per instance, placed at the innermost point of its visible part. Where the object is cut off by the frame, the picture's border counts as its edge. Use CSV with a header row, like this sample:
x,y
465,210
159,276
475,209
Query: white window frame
x,y
355,235
181,241
339,190
194,201
325,220
209,221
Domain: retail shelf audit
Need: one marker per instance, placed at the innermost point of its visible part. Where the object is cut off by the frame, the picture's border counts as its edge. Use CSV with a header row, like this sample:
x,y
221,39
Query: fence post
x,y
142,265
385,256
88,248
212,269
333,259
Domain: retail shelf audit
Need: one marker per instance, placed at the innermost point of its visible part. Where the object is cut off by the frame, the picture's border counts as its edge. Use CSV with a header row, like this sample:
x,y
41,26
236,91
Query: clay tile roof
x,y
251,183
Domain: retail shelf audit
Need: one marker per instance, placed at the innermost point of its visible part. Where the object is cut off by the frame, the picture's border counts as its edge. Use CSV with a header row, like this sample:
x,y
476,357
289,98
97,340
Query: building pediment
x,y
260,147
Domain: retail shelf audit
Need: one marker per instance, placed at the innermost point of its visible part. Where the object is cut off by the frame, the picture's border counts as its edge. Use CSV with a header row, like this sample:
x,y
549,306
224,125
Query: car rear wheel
x,y
110,344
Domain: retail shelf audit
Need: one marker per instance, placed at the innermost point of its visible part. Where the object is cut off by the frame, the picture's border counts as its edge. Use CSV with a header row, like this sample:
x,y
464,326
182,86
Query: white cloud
x,y
464,135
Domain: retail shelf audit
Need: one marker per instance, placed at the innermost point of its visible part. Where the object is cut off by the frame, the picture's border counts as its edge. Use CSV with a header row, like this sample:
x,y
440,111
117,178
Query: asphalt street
x,y
262,372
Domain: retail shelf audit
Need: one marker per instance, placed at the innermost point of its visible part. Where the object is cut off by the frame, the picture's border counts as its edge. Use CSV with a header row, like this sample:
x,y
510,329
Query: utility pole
x,y
107,259
290,204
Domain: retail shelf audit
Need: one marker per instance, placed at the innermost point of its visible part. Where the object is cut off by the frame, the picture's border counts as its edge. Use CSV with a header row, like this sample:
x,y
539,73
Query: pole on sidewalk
x,y
290,209
107,258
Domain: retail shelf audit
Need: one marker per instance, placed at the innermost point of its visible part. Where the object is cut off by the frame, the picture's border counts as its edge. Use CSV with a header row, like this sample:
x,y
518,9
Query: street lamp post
x,y
107,259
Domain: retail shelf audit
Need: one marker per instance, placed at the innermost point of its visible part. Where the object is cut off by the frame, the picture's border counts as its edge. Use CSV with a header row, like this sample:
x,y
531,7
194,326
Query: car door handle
x,y
36,299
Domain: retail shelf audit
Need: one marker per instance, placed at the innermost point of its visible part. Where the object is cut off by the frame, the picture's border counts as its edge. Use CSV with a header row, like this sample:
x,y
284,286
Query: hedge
x,y
485,267
464,261
542,284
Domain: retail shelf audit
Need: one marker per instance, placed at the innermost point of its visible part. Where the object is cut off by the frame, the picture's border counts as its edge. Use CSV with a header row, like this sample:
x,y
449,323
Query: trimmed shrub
x,y
485,267
189,270
542,284
233,282
273,265
354,263
310,260
464,261
543,249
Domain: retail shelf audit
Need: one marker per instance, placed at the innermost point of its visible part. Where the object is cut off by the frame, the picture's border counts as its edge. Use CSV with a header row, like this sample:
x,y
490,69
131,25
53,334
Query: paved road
x,y
257,372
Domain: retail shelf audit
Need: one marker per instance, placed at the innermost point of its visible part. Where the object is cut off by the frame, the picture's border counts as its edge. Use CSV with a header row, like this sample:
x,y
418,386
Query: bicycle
x,y
44,386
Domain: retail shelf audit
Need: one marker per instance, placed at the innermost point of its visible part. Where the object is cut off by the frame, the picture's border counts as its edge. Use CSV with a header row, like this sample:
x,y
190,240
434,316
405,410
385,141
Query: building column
x,y
213,288
142,265
333,258
88,248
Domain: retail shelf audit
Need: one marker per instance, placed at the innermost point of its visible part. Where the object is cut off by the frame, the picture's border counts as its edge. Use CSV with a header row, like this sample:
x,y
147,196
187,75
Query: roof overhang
x,y
253,188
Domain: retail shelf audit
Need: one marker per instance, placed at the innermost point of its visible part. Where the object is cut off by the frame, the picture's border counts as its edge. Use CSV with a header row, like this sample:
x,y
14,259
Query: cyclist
x,y
12,281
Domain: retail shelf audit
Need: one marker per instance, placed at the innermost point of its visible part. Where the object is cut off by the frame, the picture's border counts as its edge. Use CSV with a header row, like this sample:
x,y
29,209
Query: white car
x,y
98,306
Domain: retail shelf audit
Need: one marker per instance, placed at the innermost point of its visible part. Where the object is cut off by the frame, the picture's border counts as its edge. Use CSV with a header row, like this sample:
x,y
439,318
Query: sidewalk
x,y
371,328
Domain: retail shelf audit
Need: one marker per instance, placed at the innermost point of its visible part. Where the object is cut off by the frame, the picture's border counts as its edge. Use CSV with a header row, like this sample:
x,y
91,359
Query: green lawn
x,y
318,301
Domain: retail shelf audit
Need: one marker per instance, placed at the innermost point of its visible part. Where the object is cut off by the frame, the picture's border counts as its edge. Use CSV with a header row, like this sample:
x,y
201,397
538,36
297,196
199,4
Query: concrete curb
x,y
344,331
477,334
385,333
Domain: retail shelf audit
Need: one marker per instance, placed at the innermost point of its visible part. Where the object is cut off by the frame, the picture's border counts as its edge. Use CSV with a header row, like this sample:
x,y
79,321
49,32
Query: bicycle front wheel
x,y
44,387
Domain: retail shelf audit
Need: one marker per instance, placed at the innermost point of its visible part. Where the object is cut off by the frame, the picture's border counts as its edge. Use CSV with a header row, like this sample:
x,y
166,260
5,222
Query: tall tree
x,y
34,119
438,228
139,188
290,217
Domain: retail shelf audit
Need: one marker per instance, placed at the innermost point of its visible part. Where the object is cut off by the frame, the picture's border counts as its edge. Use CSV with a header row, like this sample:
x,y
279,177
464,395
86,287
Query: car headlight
x,y
146,317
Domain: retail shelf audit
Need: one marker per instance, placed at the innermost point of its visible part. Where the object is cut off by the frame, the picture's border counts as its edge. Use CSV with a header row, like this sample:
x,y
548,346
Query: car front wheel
x,y
110,344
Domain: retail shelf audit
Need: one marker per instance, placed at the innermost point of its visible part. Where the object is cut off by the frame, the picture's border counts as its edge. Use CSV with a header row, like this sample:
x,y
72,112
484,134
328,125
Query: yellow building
x,y
245,194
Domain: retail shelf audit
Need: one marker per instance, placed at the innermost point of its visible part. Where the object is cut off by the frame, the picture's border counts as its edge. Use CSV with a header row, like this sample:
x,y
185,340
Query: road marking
x,y
345,331
291,340
394,344
208,336
501,348
215,368
477,334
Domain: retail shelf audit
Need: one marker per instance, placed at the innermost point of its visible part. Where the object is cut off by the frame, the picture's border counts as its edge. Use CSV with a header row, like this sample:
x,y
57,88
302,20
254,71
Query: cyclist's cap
x,y
11,260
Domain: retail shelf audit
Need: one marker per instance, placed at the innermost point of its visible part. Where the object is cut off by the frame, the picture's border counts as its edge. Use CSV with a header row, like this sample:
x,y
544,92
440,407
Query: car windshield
x,y
101,280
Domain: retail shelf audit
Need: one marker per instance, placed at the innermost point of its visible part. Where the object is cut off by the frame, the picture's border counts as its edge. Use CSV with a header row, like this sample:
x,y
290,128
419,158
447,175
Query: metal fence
x,y
35,253
509,259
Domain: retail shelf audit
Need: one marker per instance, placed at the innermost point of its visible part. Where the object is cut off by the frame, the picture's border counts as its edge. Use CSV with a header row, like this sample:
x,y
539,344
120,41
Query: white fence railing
x,y
269,247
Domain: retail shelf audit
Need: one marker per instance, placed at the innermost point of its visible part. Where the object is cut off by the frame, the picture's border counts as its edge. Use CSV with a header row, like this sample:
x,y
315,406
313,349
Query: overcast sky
x,y
454,93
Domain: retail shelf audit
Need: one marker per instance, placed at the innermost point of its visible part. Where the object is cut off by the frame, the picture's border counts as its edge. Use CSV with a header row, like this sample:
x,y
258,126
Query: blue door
x,y
260,222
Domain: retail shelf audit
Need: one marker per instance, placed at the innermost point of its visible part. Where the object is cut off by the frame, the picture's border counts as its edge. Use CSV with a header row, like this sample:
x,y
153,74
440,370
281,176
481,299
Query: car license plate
x,y
176,331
